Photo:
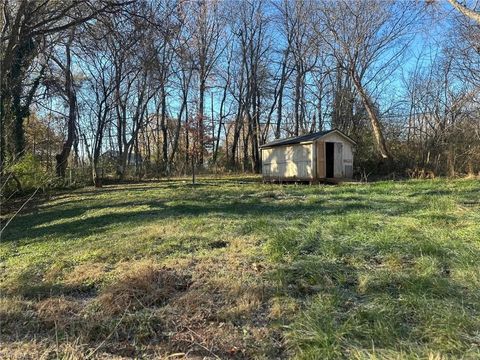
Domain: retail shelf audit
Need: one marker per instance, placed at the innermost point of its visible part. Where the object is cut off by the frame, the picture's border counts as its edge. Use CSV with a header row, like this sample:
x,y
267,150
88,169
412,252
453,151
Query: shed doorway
x,y
329,159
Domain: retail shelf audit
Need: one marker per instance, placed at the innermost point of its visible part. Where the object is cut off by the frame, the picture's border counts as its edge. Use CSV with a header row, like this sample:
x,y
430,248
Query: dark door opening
x,y
329,159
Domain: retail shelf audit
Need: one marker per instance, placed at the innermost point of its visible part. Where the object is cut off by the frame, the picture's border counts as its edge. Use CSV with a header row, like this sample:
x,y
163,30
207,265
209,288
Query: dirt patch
x,y
218,244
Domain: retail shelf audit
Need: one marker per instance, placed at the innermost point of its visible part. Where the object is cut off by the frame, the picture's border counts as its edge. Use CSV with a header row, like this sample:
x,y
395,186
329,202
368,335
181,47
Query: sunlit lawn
x,y
239,269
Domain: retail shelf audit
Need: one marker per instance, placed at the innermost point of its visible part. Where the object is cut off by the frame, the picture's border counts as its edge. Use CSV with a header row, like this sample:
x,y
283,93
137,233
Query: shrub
x,y
25,175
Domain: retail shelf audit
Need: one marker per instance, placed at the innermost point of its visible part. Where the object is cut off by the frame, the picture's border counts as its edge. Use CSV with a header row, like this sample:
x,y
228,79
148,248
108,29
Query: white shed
x,y
320,155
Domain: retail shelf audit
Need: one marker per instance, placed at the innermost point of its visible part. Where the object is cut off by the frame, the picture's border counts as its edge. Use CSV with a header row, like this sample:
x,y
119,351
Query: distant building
x,y
311,157
112,156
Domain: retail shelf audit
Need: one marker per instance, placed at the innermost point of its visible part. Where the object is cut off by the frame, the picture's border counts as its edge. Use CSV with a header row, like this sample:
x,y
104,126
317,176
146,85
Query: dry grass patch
x,y
224,312
16,315
45,350
245,300
58,312
283,309
86,274
205,341
141,285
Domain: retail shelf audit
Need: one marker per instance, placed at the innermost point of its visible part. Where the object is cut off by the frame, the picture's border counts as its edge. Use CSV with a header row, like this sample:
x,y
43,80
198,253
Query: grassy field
x,y
238,269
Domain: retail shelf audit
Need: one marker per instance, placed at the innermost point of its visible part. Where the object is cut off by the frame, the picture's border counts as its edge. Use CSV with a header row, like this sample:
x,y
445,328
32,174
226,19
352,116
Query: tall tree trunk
x,y
14,63
193,170
163,124
177,132
97,179
187,139
251,135
62,157
297,103
96,176
256,136
158,139
236,136
13,112
201,111
246,135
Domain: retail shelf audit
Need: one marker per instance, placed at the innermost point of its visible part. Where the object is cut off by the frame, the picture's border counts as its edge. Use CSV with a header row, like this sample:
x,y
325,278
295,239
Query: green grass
x,y
238,269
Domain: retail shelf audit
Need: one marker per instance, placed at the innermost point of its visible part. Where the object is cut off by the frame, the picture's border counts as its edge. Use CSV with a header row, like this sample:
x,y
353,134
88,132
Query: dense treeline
x,y
157,88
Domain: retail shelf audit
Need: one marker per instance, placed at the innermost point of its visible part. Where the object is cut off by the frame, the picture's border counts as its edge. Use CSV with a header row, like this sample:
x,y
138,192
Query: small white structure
x,y
311,157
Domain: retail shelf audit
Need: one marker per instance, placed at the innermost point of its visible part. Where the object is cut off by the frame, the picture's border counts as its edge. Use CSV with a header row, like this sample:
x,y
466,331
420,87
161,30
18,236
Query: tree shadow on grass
x,y
73,221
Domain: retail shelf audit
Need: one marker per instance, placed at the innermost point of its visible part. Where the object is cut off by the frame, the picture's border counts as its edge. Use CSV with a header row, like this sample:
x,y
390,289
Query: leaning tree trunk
x,y
466,11
374,121
283,80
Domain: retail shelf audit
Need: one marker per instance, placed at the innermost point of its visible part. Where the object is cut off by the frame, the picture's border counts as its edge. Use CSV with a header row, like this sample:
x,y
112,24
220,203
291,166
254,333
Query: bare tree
x,y
96,95
27,30
71,100
206,27
253,46
367,37
304,59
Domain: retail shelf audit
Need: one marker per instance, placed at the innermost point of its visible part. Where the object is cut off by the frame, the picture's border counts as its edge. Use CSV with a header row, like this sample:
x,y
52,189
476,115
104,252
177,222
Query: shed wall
x,y
288,162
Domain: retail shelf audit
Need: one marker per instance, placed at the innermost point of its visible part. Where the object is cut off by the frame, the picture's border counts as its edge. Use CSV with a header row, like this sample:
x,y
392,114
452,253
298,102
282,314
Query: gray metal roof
x,y
303,138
